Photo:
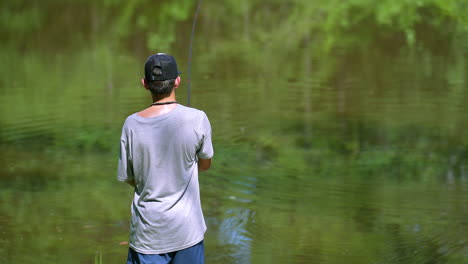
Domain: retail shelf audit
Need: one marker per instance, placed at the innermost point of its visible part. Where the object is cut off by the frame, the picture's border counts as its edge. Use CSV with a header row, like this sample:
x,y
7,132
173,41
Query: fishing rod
x,y
190,51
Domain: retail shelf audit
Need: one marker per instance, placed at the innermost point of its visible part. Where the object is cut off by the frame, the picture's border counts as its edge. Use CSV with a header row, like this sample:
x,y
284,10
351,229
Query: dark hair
x,y
161,87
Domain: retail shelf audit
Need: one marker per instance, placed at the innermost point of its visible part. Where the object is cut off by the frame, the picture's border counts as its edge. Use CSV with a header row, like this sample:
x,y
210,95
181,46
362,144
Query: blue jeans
x,y
191,255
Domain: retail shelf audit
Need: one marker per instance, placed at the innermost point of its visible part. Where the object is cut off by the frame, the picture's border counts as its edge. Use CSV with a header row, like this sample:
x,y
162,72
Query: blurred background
x,y
339,126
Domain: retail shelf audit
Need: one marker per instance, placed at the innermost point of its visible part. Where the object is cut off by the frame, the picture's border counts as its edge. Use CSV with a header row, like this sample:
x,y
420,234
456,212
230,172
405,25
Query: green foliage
x,y
156,21
114,21
330,23
335,24
21,20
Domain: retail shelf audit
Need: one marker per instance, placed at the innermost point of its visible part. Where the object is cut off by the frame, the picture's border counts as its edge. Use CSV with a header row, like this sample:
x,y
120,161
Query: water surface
x,y
358,155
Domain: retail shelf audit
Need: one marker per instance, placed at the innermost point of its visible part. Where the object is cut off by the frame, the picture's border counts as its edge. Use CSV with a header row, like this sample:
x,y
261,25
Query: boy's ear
x,y
177,82
143,82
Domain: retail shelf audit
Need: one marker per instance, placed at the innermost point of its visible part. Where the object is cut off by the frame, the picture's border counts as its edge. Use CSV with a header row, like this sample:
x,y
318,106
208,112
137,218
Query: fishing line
x,y
190,51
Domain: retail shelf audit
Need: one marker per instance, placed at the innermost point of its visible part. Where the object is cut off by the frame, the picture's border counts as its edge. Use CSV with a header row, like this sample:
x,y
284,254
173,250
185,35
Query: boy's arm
x,y
204,164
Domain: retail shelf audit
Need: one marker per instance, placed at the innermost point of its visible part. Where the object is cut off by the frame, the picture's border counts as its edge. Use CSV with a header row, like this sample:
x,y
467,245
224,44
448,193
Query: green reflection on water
x,y
334,140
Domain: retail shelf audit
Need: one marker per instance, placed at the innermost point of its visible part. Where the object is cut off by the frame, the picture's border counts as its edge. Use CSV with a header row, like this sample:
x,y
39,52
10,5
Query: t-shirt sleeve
x,y
125,168
205,150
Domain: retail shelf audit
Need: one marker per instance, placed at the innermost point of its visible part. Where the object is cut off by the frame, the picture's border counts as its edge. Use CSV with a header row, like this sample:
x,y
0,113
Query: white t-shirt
x,y
161,154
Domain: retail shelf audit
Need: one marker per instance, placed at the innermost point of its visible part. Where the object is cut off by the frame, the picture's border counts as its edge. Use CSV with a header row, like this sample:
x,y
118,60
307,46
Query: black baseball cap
x,y
165,62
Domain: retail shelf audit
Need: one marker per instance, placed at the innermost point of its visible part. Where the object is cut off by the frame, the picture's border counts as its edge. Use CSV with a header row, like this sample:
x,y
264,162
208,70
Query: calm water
x,y
359,155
